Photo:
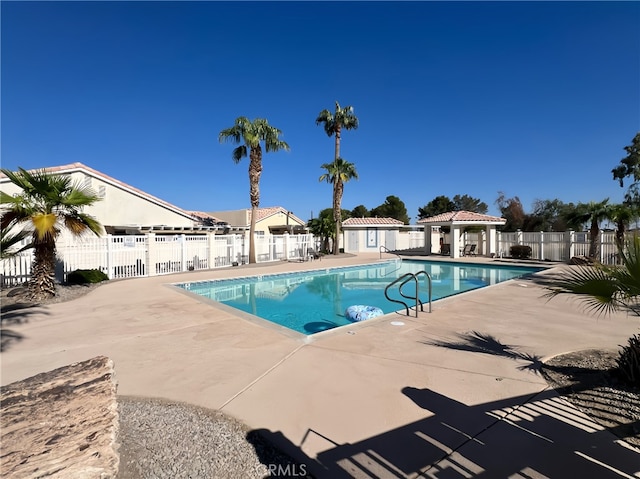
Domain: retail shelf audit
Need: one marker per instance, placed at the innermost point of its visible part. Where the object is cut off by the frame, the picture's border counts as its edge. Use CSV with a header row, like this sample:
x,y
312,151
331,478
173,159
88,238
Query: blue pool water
x,y
314,301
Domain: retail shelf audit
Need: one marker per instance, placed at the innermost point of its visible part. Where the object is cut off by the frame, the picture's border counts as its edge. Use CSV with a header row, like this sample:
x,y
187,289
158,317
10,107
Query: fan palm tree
x,y
249,135
621,214
46,204
605,289
338,173
334,123
593,213
323,228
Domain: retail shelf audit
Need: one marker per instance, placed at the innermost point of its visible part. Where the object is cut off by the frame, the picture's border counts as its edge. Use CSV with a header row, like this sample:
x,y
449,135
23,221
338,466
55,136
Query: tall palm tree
x,y
338,173
593,213
334,123
249,134
46,204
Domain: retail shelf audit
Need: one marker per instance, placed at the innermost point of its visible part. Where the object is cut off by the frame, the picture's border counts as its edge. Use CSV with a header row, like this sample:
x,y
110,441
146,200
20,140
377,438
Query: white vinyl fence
x,y
550,246
150,254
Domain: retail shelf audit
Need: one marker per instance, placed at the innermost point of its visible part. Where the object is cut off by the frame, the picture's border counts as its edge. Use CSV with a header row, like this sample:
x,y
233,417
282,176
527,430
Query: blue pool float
x,y
359,312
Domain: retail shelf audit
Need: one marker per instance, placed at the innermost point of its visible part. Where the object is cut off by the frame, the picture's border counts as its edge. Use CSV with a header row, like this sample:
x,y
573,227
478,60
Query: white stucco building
x,y
122,206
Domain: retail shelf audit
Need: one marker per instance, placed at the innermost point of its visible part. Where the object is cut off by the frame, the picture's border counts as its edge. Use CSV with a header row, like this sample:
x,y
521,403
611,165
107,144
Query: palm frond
x,y
44,226
80,223
9,239
239,153
593,286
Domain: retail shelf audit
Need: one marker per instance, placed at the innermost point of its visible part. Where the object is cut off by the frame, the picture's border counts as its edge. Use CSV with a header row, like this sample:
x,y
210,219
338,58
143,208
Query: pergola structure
x,y
457,221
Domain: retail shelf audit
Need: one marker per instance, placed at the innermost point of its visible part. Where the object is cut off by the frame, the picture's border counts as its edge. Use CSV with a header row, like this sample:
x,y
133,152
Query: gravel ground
x,y
161,439
587,380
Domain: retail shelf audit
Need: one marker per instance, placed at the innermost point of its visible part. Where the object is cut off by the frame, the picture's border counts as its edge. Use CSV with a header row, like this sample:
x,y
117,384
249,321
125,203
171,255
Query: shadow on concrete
x,y
279,464
477,342
18,313
8,337
15,315
531,436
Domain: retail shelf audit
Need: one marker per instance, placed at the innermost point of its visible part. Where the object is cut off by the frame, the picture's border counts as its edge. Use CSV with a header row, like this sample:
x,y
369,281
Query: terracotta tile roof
x,y
272,210
371,221
73,167
462,216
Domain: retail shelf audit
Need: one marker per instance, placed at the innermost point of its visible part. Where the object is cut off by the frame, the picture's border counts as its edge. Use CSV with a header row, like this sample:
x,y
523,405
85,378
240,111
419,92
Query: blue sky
x,y
535,99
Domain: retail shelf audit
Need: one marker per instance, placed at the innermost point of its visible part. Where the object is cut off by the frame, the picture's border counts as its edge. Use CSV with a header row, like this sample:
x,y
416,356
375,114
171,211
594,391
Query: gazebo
x,y
457,221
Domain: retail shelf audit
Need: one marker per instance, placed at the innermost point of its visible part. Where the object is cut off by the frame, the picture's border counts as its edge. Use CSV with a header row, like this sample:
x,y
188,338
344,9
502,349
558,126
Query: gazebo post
x,y
455,241
491,240
428,247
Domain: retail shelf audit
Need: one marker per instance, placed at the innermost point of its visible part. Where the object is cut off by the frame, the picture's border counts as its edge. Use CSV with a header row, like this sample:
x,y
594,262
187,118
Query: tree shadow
x,y
477,342
18,313
8,337
15,315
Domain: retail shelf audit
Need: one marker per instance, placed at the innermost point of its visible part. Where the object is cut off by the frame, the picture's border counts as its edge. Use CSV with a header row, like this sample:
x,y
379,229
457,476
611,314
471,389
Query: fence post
x,y
541,245
109,256
569,245
285,240
600,244
519,237
211,250
151,254
183,252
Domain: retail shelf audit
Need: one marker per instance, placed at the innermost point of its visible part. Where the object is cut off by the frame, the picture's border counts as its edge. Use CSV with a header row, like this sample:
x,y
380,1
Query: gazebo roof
x,y
462,218
371,222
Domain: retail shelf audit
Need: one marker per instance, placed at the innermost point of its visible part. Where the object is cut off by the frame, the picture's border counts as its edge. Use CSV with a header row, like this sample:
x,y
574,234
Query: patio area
x,y
373,400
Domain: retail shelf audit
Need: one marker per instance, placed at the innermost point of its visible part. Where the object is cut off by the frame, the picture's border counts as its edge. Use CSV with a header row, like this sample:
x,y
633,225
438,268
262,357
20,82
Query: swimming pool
x,y
314,301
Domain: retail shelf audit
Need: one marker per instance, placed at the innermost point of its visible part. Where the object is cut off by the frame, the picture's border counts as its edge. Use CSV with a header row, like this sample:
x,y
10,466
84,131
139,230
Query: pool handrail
x,y
405,278
388,251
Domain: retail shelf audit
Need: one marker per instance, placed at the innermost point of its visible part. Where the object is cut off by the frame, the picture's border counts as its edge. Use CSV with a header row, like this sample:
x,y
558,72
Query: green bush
x,y
85,276
520,251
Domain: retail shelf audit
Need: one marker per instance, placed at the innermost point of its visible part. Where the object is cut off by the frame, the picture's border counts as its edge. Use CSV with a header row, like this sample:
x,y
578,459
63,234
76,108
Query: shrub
x,y
85,276
629,360
520,251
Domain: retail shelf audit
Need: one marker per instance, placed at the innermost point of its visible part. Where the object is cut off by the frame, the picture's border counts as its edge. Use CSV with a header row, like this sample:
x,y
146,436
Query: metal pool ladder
x,y
404,279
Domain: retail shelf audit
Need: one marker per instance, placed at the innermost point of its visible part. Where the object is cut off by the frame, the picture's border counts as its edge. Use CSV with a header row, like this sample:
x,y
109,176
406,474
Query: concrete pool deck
x,y
376,400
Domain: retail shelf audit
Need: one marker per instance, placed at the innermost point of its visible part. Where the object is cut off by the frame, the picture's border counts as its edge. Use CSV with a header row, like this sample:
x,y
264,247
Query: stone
x,y
62,423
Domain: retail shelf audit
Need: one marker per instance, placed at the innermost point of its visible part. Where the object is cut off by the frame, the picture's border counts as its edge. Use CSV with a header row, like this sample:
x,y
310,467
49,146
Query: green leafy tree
x,y
393,207
605,289
511,209
438,205
360,211
338,173
630,167
334,122
551,215
592,213
468,203
249,135
46,204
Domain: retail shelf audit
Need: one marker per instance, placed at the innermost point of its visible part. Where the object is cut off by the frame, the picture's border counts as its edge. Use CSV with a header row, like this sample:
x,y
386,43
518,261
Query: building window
x,y
372,238
86,183
102,191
